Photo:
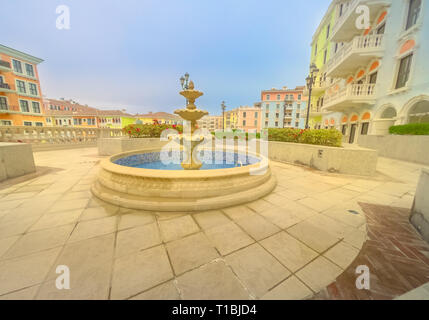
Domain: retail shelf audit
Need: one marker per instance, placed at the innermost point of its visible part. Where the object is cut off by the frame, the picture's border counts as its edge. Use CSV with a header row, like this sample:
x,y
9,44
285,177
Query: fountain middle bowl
x,y
139,180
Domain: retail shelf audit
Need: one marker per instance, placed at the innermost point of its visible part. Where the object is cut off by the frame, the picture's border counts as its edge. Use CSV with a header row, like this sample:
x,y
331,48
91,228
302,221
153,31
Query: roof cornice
x,y
19,55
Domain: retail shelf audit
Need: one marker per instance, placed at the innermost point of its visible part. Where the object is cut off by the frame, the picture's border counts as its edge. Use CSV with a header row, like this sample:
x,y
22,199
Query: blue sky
x,y
130,53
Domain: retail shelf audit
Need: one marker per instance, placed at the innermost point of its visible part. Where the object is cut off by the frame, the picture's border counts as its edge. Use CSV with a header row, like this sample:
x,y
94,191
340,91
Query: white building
x,y
381,73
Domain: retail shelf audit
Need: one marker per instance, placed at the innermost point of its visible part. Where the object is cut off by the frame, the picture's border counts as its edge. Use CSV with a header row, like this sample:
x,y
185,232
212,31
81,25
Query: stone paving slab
x,y
288,245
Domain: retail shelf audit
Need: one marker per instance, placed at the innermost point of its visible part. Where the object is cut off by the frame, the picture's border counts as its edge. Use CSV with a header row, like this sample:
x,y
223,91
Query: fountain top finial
x,y
191,85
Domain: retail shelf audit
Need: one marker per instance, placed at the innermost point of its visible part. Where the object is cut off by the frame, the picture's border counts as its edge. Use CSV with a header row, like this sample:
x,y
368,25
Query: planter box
x,y
353,161
112,146
420,211
406,148
16,159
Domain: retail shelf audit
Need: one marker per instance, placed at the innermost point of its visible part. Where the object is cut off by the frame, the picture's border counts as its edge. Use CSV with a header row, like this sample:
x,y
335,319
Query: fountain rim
x,y
109,165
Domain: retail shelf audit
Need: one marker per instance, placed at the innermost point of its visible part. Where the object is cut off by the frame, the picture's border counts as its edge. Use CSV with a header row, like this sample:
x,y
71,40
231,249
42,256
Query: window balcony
x,y
4,87
345,28
5,66
319,86
354,95
360,52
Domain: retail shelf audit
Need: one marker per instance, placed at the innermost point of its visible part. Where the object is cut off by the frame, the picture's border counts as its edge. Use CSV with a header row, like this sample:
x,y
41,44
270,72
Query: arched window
x,y
389,113
419,113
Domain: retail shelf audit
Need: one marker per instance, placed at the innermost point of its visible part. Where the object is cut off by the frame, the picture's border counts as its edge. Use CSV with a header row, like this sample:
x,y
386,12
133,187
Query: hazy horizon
x,y
130,54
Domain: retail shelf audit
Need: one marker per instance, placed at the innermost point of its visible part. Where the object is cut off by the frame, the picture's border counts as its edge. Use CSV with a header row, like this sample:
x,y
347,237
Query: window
x,y
268,97
297,115
277,115
328,30
325,56
28,123
75,122
3,103
17,66
24,106
344,130
256,114
336,47
36,107
244,123
48,120
266,123
299,97
373,78
244,114
21,86
256,123
315,50
381,29
277,124
364,130
413,13
5,123
278,97
278,106
267,115
39,124
33,89
341,9
30,70
404,71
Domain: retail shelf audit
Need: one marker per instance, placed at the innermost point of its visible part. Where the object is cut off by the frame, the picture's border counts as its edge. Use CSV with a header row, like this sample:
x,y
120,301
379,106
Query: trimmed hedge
x,y
415,129
324,137
149,130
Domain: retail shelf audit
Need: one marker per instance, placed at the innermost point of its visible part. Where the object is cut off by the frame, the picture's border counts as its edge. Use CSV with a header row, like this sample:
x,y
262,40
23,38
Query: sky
x,y
130,54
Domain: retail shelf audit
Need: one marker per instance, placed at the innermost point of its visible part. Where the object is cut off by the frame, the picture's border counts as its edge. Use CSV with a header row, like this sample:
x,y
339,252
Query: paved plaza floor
x,y
303,241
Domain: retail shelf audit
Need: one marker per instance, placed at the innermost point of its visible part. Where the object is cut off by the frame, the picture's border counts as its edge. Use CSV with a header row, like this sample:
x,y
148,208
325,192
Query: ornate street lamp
x,y
223,115
310,82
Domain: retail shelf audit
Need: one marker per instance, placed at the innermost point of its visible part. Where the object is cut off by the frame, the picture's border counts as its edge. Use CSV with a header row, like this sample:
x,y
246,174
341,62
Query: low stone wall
x,y
353,161
112,146
16,159
420,211
406,148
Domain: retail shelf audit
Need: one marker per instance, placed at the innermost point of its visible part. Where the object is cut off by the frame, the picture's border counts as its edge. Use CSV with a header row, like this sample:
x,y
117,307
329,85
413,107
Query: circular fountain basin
x,y
140,180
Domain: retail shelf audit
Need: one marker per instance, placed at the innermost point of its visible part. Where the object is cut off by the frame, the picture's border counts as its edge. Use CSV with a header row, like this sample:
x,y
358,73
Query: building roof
x,y
76,109
159,115
297,89
19,55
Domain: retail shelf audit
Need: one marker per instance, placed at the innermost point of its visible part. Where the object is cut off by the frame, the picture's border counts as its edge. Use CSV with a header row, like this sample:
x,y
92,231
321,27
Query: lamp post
x,y
223,115
310,81
184,81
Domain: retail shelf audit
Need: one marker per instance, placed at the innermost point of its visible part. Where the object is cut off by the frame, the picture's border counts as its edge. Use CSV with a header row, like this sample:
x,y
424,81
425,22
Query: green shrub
x,y
149,130
329,137
416,129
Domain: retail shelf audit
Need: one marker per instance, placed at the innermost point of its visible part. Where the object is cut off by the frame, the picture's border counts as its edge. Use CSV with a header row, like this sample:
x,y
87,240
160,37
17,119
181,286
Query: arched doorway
x,y
385,118
419,112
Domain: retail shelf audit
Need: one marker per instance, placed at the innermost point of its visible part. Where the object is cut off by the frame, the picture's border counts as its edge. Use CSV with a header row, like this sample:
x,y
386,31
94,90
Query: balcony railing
x,y
350,96
360,51
345,28
56,135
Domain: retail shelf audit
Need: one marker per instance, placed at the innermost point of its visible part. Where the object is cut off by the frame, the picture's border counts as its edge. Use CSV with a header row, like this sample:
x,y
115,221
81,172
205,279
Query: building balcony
x,y
5,66
319,86
345,28
4,87
360,52
354,95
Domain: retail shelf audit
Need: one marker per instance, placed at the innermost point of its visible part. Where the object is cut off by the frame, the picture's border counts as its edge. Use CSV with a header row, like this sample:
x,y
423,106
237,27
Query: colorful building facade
x,y
249,119
211,123
321,51
283,108
67,113
380,73
21,101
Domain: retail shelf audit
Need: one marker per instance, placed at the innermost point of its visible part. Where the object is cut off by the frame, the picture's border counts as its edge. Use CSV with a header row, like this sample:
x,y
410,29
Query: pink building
x,y
249,119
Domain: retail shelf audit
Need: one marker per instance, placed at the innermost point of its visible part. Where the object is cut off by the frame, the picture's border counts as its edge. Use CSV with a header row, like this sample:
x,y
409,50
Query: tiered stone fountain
x,y
189,140
141,180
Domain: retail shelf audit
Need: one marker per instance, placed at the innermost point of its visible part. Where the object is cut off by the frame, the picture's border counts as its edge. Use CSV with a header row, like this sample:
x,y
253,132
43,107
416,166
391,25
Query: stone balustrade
x,y
56,135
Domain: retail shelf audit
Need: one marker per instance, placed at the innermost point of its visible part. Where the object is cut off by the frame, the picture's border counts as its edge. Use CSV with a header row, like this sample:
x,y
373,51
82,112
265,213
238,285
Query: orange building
x,y
21,101
68,113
